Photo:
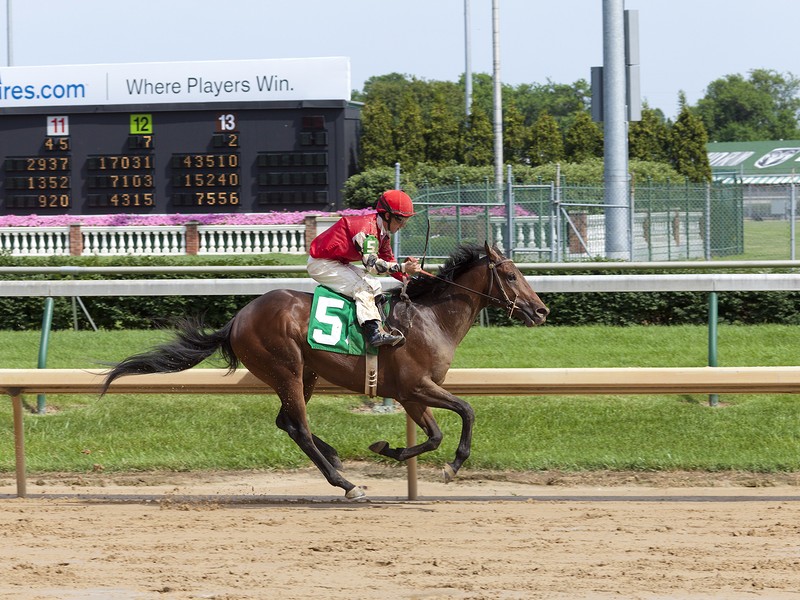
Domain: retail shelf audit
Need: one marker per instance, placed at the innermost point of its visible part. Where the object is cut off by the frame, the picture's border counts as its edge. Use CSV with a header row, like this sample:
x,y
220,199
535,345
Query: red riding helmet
x,y
395,202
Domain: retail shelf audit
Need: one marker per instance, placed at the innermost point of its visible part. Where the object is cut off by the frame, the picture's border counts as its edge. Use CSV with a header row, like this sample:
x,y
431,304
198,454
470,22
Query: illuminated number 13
x,y
227,122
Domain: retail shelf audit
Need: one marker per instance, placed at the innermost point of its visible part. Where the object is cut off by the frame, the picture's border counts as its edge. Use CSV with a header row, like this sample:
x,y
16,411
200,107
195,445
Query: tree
x,y
442,132
546,143
648,139
479,139
377,144
688,140
409,134
763,107
558,99
583,139
390,89
515,135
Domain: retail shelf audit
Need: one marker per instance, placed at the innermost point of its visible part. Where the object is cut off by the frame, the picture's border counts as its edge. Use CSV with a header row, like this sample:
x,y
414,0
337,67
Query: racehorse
x,y
435,312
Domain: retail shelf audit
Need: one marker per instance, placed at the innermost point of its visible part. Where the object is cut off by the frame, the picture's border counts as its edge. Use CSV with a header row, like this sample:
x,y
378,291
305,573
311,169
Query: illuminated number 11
x,y
58,125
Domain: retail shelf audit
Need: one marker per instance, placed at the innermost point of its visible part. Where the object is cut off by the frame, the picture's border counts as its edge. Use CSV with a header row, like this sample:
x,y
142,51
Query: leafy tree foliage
x,y
688,139
442,132
409,141
546,144
648,139
479,139
763,106
584,139
377,144
515,135
414,121
561,101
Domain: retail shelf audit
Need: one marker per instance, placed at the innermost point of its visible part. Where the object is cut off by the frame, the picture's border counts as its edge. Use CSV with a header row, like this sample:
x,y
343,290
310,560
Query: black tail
x,y
190,347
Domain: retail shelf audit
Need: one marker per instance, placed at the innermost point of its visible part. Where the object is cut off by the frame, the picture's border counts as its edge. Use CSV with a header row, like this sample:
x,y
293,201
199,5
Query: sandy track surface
x,y
487,536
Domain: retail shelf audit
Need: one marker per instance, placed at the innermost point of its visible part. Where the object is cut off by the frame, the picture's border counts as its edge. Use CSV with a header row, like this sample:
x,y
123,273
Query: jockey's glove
x,y
378,266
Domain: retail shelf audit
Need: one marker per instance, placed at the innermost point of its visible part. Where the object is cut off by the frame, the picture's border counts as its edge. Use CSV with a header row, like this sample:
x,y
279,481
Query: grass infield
x,y
190,432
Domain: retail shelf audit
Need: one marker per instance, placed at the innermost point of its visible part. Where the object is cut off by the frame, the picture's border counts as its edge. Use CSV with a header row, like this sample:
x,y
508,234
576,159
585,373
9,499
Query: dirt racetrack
x,y
487,536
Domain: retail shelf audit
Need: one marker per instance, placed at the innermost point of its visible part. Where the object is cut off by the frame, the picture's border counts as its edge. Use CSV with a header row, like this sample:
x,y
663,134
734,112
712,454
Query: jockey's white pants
x,y
351,280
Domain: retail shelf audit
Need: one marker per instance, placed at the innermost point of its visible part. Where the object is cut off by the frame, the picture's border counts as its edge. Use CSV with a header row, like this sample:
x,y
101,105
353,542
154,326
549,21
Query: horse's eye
x,y
512,277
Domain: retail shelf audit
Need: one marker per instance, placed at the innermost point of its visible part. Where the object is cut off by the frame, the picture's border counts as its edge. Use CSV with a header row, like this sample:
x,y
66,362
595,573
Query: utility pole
x,y
467,64
615,144
498,101
9,58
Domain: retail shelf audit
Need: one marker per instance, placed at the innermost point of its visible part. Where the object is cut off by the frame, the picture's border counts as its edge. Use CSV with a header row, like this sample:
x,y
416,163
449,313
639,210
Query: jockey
x,y
364,239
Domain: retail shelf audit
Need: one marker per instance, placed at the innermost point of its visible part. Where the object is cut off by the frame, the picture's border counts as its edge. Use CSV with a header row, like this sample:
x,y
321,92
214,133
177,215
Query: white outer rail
x,y
694,282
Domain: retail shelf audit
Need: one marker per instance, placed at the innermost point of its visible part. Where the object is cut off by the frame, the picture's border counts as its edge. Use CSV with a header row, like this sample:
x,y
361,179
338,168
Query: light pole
x,y
467,64
9,60
498,101
615,143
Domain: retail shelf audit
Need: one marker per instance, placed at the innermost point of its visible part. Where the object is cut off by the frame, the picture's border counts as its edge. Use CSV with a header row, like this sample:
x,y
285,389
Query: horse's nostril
x,y
543,311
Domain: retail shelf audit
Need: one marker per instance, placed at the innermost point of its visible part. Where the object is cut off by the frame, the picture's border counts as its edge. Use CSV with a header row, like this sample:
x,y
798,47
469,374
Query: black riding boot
x,y
377,337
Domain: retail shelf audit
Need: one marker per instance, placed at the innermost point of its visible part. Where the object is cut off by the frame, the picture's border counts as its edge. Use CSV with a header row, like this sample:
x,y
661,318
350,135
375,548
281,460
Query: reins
x,y
505,302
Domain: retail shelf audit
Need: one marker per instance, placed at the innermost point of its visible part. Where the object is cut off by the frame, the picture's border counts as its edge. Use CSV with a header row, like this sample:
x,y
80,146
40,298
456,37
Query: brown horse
x,y
269,336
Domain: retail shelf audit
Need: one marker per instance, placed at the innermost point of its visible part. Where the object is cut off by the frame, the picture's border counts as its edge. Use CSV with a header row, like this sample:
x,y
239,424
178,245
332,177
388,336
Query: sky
x,y
684,44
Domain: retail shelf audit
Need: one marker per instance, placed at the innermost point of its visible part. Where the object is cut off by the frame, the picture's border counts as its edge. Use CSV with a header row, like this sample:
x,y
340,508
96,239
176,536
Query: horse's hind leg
x,y
328,451
423,417
293,420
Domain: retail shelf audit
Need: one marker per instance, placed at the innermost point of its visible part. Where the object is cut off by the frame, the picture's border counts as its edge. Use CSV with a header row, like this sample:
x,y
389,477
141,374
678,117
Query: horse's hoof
x,y
379,447
354,493
448,473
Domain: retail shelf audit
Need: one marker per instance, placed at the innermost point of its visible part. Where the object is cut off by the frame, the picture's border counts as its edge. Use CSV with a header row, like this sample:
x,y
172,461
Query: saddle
x,y
333,327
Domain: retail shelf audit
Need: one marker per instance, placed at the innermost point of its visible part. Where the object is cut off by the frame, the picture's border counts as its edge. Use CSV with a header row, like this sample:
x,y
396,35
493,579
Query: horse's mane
x,y
460,260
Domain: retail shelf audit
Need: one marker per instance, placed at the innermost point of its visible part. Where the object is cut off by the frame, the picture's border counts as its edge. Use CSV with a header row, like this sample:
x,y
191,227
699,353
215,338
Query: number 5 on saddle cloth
x,y
332,325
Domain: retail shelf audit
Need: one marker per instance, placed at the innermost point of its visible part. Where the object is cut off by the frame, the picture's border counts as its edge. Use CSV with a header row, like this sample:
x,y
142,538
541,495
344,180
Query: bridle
x,y
504,302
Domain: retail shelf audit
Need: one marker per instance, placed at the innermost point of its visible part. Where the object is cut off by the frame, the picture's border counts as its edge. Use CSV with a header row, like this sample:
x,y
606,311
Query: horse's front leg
x,y
423,417
435,397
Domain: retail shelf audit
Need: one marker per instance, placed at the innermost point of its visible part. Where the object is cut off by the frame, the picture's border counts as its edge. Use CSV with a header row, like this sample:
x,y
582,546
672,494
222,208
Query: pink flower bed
x,y
118,220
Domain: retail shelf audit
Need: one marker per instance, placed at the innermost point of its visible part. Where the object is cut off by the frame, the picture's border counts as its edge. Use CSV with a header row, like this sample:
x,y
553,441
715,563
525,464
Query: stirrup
x,y
383,339
376,336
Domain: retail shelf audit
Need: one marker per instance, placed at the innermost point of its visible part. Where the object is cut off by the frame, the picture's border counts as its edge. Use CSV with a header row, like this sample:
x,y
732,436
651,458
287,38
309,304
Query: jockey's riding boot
x,y
377,337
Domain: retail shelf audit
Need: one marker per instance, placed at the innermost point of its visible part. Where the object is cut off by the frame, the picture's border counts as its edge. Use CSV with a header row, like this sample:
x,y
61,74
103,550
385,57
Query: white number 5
x,y
319,336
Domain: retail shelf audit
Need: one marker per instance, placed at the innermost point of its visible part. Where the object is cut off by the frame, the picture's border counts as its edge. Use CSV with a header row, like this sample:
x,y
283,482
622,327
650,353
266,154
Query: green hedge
x,y
132,312
663,308
611,308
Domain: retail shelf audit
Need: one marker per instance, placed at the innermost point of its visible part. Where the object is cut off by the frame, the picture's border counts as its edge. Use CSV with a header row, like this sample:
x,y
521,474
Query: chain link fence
x,y
771,217
557,223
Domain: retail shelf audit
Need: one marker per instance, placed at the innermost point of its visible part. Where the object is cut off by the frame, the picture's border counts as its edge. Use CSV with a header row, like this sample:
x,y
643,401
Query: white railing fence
x,y
134,240
35,241
252,239
164,240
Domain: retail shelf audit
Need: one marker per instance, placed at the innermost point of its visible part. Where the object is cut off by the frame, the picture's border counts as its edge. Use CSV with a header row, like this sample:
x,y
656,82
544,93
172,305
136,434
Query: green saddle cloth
x,y
333,325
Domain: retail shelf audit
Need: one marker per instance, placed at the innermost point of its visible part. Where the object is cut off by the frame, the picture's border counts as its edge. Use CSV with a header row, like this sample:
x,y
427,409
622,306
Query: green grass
x,y
766,240
190,432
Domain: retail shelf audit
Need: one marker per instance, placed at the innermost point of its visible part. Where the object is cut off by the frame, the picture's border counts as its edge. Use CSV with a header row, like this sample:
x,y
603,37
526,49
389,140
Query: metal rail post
x,y
411,463
47,321
713,399
19,445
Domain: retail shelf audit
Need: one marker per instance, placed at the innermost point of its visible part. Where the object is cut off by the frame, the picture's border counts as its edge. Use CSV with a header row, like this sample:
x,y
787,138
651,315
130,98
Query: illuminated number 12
x,y
141,124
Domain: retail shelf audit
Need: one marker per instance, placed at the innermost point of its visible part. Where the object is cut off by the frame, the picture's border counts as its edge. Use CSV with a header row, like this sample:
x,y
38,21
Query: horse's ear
x,y
492,252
